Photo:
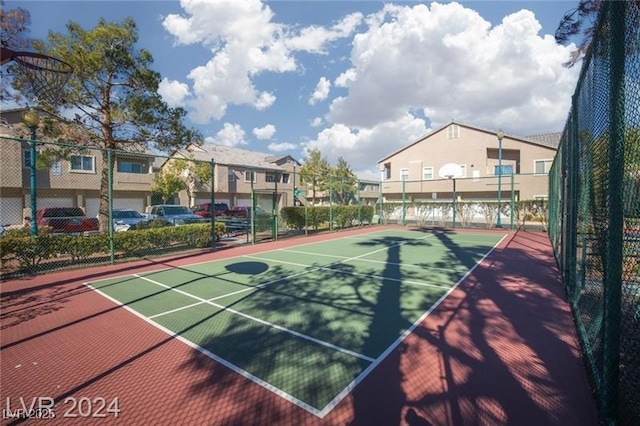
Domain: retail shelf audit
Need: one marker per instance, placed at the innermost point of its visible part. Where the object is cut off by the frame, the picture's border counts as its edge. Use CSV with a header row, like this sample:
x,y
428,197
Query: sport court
x,y
307,322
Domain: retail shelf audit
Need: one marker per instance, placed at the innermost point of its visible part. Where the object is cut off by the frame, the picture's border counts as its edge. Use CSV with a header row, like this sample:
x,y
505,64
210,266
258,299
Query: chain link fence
x,y
480,202
595,211
65,205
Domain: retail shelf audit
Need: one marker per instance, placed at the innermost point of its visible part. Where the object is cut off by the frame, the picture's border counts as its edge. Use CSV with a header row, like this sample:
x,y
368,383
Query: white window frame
x,y
544,161
93,164
404,176
253,174
453,131
463,167
424,169
286,177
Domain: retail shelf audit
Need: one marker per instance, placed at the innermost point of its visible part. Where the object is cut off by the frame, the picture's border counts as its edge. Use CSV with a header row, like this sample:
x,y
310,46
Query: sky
x,y
357,79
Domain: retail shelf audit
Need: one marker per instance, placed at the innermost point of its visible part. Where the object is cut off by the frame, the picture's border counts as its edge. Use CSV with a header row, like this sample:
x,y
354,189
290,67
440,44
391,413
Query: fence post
x,y
404,202
252,208
513,200
330,203
613,267
213,204
110,204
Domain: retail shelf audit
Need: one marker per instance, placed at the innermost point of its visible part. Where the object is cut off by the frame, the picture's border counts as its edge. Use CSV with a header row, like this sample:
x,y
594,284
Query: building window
x,y
404,174
386,171
26,158
249,175
463,170
453,131
127,166
83,163
270,177
232,175
542,167
507,169
427,173
285,178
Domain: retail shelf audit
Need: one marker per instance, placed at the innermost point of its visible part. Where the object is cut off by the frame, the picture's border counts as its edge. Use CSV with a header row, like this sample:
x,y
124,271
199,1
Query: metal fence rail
x,y
463,202
594,196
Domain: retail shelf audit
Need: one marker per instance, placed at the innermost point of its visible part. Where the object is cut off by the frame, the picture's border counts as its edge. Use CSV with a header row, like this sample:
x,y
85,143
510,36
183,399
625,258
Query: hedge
x,y
343,216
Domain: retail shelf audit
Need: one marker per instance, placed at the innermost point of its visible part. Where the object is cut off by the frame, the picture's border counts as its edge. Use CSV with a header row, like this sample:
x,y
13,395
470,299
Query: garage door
x,y
10,211
92,206
136,204
54,202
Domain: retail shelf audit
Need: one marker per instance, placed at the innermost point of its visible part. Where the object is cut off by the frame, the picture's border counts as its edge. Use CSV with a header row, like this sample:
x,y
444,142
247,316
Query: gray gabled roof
x,y
551,140
231,156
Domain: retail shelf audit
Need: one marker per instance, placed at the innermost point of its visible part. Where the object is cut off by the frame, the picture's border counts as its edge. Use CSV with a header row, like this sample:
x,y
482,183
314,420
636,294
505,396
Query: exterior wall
x,y
478,151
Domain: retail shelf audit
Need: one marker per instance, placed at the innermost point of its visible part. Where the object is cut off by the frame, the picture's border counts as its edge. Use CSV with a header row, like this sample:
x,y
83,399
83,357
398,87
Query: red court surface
x,y
500,350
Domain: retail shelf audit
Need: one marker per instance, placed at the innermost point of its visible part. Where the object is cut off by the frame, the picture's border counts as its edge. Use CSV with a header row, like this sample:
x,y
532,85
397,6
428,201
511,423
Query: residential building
x,y
414,169
235,168
70,179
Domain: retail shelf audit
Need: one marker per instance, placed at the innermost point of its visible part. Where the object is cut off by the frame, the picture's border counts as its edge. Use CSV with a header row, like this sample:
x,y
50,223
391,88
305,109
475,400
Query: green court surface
x,y
307,322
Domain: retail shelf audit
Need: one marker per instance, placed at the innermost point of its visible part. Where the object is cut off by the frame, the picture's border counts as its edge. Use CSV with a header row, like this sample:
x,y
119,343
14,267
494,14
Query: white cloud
x,y
283,146
447,61
314,38
265,132
173,92
363,147
229,135
322,91
244,41
316,122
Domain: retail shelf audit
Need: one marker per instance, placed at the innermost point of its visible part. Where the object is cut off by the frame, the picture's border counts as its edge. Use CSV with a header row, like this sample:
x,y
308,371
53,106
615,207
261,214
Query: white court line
x,y
153,271
233,293
331,405
292,399
263,322
253,288
373,261
357,274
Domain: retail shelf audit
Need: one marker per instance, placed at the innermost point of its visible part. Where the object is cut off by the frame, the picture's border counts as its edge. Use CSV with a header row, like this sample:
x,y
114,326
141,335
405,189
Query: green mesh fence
x,y
594,194
471,202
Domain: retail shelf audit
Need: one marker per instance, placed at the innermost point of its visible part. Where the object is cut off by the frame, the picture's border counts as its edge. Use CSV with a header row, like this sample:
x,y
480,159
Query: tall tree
x,y
315,172
343,182
114,94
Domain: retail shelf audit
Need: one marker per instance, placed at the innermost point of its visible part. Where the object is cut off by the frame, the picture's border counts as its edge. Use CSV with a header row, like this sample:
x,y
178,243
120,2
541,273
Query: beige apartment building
x,y
414,169
235,168
71,181
74,179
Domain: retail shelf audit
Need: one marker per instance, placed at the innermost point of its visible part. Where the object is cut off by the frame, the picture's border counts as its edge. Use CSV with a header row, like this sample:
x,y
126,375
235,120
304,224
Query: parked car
x,y
244,211
174,215
204,209
68,220
125,219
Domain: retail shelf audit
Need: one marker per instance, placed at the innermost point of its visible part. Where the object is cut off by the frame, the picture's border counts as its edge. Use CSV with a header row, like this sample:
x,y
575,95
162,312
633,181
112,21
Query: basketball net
x,y
39,77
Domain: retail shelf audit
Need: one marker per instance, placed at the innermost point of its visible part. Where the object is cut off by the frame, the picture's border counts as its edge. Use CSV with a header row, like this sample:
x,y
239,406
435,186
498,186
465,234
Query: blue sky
x,y
357,79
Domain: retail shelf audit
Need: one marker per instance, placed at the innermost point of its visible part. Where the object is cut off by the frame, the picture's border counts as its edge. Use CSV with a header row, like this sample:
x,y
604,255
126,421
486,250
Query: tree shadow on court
x,y
505,347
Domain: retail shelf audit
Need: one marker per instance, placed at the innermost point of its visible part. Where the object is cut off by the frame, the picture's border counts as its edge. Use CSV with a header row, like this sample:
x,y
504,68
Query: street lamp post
x,y
499,135
31,119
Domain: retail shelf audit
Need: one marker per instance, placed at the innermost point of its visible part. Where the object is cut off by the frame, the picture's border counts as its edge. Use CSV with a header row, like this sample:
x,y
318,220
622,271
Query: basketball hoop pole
x,y
454,201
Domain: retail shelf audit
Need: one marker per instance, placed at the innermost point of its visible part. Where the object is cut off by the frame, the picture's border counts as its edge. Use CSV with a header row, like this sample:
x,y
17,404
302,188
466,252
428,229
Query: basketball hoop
x,y
39,76
450,171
